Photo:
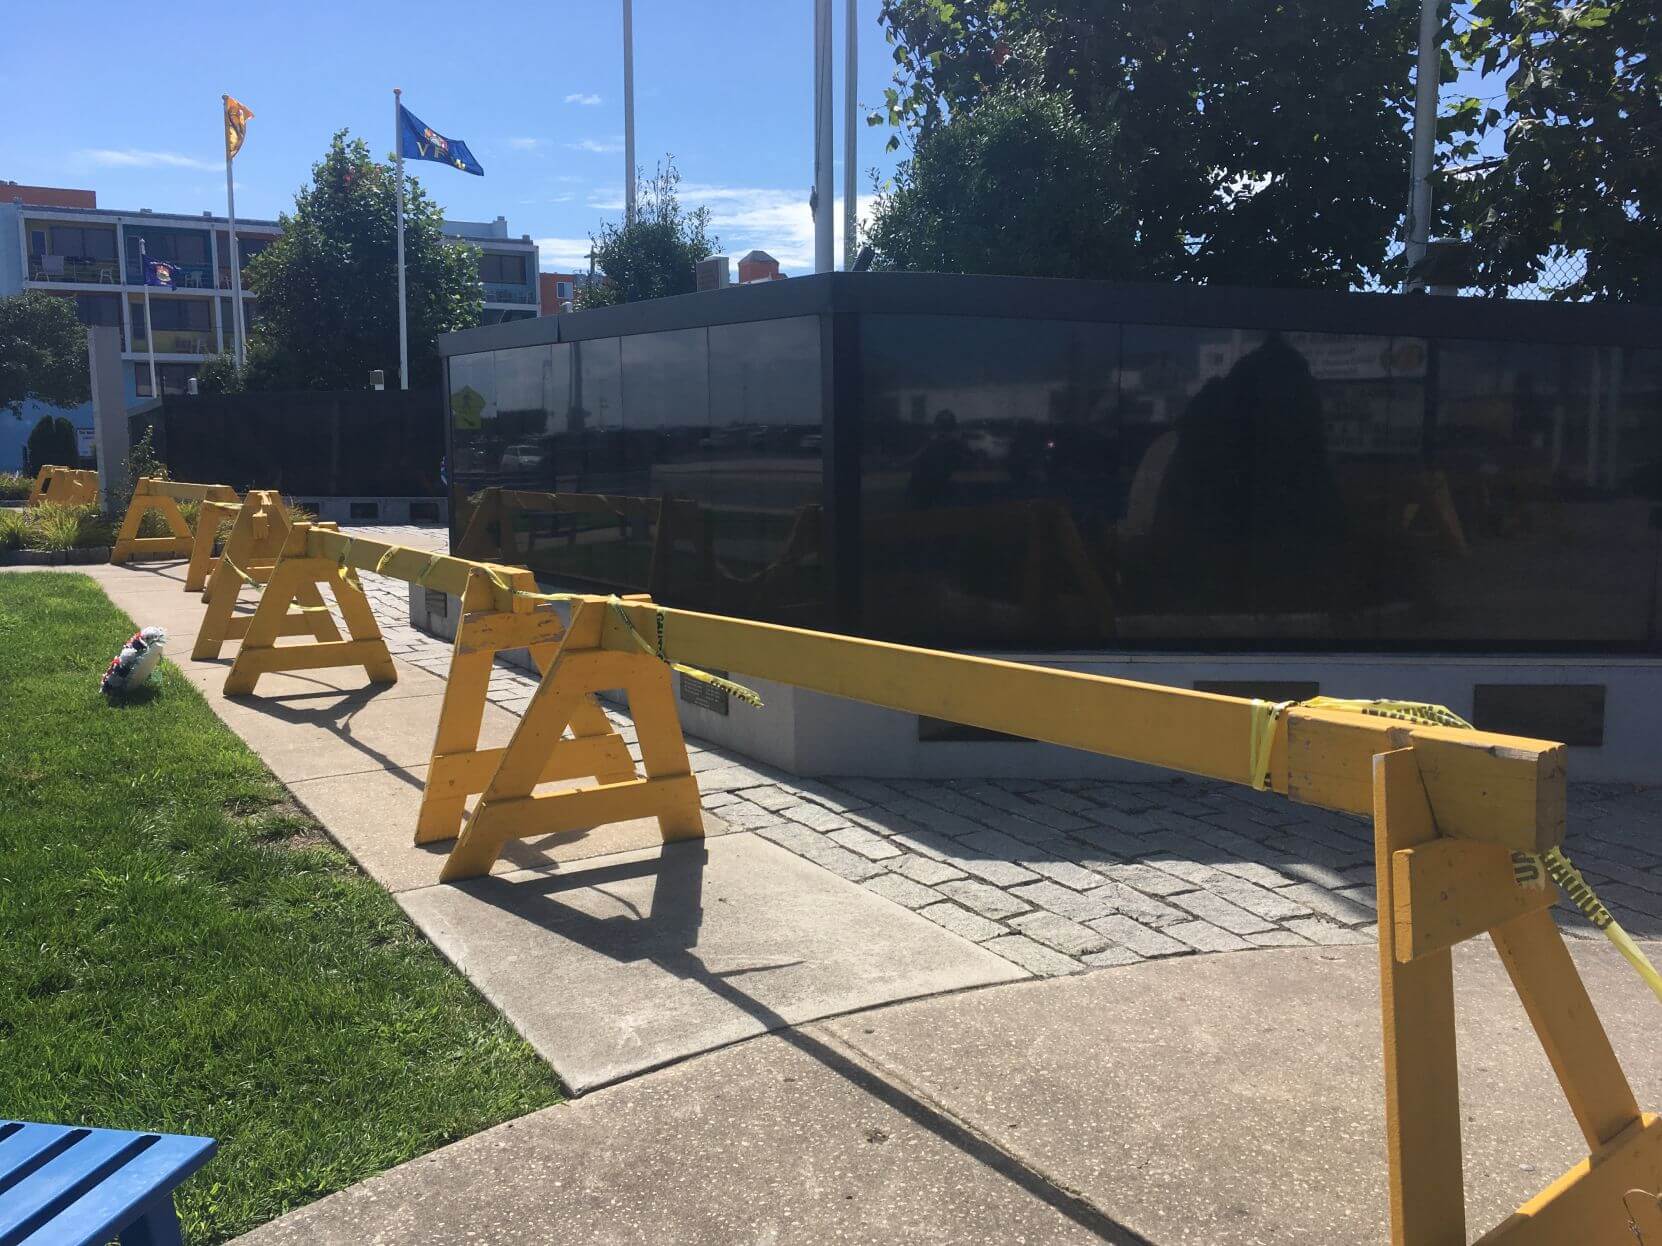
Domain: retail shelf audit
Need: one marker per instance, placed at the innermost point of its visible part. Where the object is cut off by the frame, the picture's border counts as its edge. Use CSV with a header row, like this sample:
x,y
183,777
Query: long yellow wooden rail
x,y
162,497
1450,809
64,486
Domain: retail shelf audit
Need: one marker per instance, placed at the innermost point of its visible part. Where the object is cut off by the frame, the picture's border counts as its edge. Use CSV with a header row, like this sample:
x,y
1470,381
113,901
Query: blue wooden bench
x,y
62,1185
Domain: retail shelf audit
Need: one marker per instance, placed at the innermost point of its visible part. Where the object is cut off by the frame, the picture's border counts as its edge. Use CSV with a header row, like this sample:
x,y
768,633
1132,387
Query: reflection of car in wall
x,y
987,445
522,458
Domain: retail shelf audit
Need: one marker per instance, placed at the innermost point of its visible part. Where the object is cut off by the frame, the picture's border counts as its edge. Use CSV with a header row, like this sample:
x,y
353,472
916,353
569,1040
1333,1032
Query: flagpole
x,y
149,328
239,347
824,208
398,156
851,74
628,111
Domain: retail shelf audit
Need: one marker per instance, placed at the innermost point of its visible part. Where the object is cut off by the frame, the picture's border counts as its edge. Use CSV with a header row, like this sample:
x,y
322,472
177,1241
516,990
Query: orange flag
x,y
237,116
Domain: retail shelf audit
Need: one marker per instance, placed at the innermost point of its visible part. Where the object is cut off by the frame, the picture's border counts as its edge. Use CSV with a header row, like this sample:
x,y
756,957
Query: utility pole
x,y
1417,228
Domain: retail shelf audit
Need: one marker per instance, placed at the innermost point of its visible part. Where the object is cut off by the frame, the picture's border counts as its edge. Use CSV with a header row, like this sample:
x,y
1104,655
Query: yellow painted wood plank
x,y
309,657
1584,1206
1452,889
1422,1080
498,630
1546,979
1522,804
581,808
465,774
1318,756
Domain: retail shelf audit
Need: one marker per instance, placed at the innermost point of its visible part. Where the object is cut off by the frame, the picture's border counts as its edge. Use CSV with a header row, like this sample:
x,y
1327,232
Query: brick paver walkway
x,y
1061,876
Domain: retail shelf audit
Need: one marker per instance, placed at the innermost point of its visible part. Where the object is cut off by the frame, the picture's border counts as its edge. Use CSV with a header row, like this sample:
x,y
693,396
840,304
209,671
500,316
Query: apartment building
x,y
59,240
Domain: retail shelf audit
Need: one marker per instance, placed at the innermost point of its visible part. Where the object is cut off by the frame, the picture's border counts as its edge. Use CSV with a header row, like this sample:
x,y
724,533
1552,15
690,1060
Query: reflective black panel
x,y
1024,465
688,464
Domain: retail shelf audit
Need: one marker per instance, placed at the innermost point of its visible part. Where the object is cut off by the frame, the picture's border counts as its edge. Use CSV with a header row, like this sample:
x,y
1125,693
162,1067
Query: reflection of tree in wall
x,y
1249,515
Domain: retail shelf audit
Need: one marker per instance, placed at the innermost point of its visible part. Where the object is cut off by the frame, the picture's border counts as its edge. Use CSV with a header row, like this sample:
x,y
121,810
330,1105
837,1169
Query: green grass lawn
x,y
181,949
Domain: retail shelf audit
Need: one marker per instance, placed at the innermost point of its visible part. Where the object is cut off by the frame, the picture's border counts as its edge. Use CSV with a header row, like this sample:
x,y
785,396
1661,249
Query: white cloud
x,y
563,255
596,145
578,97
776,221
133,158
525,144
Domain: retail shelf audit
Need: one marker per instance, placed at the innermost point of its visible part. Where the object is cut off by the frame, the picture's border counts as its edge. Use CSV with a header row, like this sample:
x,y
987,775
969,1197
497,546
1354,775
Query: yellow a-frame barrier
x,y
459,767
203,560
256,540
64,486
294,581
1452,810
162,497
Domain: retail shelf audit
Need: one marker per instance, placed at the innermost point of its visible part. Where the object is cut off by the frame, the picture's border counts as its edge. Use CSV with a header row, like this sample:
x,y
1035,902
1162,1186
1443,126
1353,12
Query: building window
x,y
87,244
562,289
97,309
173,314
502,269
176,248
174,378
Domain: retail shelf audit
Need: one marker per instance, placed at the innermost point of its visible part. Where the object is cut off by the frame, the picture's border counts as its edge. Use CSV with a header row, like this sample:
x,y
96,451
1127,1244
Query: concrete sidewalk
x,y
1230,1100
832,1066
608,953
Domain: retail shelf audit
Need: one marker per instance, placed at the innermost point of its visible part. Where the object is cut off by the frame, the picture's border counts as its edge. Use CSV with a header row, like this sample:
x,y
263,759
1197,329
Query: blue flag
x,y
158,273
417,141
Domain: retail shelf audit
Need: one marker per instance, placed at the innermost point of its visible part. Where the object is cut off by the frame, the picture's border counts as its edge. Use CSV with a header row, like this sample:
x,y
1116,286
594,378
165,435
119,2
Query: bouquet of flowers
x,y
138,663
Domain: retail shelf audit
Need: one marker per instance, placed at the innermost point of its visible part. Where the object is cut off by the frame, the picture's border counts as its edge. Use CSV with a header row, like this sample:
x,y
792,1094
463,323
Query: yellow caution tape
x,y
1527,869
691,672
1569,878
236,570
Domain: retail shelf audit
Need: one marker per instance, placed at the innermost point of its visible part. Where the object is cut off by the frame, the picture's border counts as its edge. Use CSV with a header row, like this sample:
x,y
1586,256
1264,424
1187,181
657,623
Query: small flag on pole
x,y
237,117
417,141
158,273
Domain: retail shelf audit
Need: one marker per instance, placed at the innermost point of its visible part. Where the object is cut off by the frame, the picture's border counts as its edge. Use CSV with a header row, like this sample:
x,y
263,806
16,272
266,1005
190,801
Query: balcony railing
x,y
175,341
498,292
185,276
73,268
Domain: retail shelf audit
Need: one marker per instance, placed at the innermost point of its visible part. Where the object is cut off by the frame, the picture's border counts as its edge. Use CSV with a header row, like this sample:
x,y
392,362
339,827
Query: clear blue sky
x,y
128,105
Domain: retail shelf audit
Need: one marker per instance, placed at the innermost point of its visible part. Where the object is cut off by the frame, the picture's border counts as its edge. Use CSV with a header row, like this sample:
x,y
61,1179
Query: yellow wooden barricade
x,y
203,560
258,534
1452,809
64,486
162,497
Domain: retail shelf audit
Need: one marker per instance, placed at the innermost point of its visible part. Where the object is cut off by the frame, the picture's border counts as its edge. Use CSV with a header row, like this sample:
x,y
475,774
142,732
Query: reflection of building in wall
x,y
58,240
1265,478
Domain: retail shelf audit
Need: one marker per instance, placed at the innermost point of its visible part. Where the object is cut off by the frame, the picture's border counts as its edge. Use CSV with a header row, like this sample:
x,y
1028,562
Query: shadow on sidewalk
x,y
667,935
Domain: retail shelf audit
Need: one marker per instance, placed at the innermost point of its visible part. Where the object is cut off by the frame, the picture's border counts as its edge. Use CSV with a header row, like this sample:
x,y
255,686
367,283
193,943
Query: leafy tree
x,y
652,256
1263,143
43,352
220,375
966,201
1582,167
328,287
51,441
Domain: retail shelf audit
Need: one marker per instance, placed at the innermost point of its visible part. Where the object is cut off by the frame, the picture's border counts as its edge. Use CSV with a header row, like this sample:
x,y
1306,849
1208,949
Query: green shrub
x,y
15,485
58,528
14,524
